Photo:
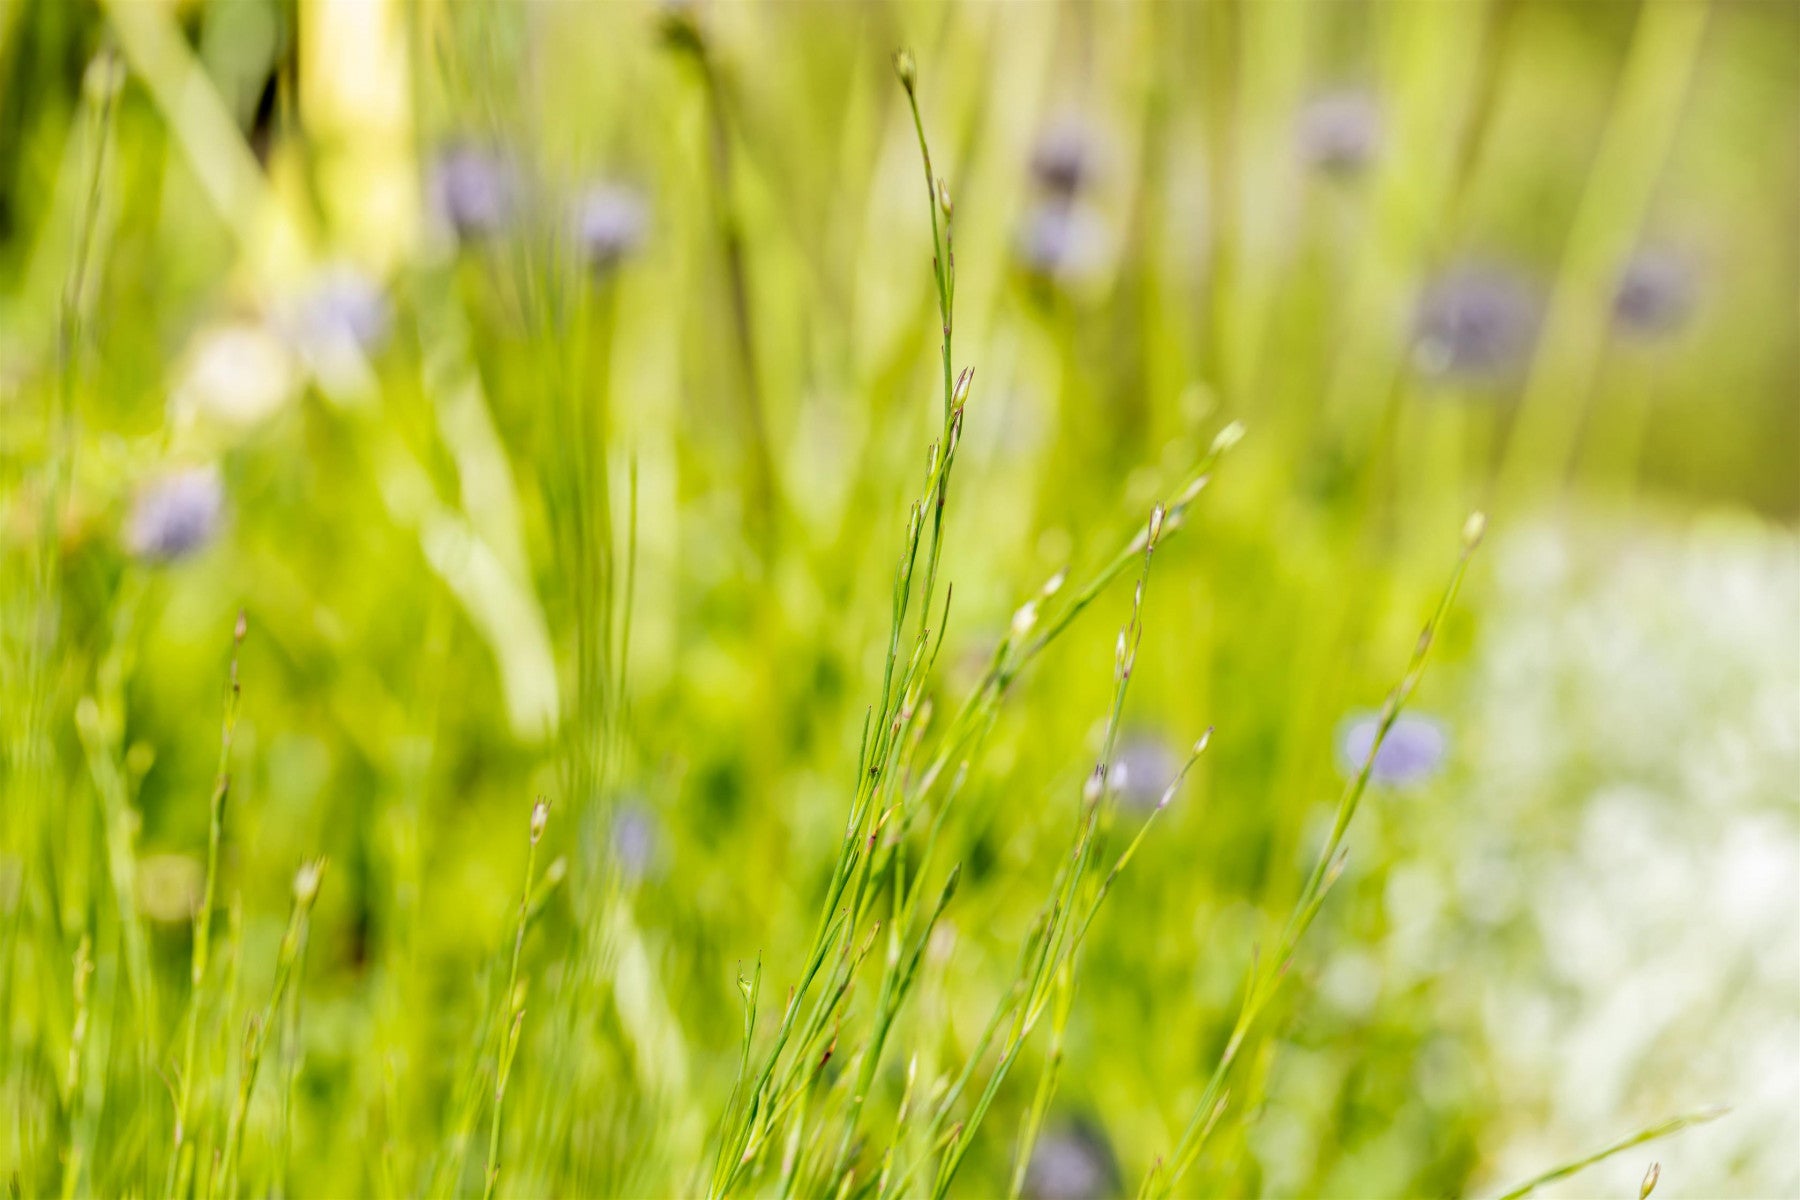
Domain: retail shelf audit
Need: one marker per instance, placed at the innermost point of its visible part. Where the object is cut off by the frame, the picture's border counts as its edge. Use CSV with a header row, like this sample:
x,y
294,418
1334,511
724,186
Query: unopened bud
x,y
1054,585
943,199
306,882
1473,528
1096,784
961,392
540,817
906,69
1228,437
1156,523
1025,619
1650,1178
104,76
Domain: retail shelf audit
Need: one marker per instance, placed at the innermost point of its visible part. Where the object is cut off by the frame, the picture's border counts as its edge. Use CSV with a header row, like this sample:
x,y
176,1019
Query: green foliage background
x,y
622,538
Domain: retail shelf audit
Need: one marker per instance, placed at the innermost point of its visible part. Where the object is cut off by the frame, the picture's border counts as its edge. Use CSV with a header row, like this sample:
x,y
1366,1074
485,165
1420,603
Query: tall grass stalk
x,y
1267,974
289,957
514,1000
1653,1133
181,1155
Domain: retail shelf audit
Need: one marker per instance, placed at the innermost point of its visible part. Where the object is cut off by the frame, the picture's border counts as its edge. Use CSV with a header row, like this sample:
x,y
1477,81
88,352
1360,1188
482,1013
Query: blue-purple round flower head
x,y
1143,766
1474,322
176,515
609,224
1072,1161
475,190
1411,754
1066,157
1061,240
344,304
636,840
1340,132
1655,293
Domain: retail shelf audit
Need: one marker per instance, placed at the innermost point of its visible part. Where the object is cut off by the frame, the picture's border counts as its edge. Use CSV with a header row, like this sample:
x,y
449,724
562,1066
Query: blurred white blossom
x,y
1623,861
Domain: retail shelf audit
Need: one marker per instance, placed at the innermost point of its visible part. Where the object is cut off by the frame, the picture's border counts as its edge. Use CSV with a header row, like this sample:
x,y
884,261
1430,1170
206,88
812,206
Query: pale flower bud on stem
x,y
306,882
961,393
1473,528
1228,437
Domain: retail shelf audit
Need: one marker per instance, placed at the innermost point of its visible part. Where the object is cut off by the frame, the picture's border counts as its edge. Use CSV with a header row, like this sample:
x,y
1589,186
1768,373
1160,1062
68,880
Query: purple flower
x,y
1655,293
1340,132
609,224
175,515
1474,322
1143,767
1411,754
475,190
1066,157
1073,1161
343,304
1061,241
636,840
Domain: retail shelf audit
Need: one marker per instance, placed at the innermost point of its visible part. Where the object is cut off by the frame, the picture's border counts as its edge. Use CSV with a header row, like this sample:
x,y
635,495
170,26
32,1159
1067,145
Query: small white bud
x,y
960,393
540,817
306,882
1156,523
1228,437
1025,619
1473,528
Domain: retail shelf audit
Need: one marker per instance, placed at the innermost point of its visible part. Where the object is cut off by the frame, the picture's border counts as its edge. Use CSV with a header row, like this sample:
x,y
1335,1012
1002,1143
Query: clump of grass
x,y
908,779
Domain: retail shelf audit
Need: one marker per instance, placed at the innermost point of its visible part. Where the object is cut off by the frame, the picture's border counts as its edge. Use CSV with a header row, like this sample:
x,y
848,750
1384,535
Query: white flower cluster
x,y
1621,872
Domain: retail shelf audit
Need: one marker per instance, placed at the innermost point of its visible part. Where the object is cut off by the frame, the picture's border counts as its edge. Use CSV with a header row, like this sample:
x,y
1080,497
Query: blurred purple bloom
x,y
1143,767
609,224
1066,157
475,190
1473,322
175,515
1655,293
1340,132
1412,752
636,840
1061,240
343,303
1073,1161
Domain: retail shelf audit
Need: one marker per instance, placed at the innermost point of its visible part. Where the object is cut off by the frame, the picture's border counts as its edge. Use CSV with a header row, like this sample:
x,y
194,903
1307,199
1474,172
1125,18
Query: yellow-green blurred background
x,y
436,337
